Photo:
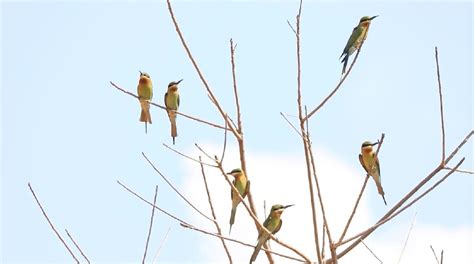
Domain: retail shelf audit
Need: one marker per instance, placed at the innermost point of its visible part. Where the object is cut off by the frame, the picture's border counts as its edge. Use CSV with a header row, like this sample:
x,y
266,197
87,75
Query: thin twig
x,y
373,254
234,80
442,254
408,236
161,245
293,126
239,242
164,108
434,253
175,189
151,224
455,151
205,153
340,82
360,193
460,171
51,224
391,214
198,70
443,142
225,144
77,246
213,213
187,156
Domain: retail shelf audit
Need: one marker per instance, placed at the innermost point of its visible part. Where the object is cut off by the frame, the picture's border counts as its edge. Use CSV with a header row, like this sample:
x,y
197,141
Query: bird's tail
x,y
345,60
381,192
232,217
145,115
257,250
174,130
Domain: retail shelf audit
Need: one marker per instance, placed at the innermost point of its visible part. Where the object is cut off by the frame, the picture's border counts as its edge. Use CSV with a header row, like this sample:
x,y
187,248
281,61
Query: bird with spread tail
x,y
172,105
273,224
359,34
145,94
242,185
370,162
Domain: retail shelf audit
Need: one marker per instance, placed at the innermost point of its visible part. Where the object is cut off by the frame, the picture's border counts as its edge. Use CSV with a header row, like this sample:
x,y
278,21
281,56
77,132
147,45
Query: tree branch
x,y
151,224
77,246
443,137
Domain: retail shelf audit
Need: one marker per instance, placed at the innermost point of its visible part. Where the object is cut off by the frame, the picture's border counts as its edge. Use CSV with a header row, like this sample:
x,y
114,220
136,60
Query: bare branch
x,y
77,246
373,254
360,193
238,242
434,253
293,126
151,224
51,224
234,80
406,240
443,138
214,214
161,245
460,171
455,151
175,189
225,144
188,157
164,108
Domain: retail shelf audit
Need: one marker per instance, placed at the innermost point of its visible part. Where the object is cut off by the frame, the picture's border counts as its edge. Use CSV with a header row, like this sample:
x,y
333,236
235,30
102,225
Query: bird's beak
x,y
286,206
179,81
376,143
373,17
228,173
141,73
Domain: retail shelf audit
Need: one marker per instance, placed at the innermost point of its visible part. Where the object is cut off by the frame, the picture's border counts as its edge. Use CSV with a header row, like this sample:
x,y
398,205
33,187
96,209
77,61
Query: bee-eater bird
x,y
145,93
370,162
242,185
273,224
359,34
172,105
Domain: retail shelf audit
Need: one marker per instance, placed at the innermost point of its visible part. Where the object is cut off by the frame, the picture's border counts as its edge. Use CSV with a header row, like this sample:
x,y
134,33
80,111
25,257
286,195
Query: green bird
x,y
359,34
273,224
145,93
242,185
370,162
172,105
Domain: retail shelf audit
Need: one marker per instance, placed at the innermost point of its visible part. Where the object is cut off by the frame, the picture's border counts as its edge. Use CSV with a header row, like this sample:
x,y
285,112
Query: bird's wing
x,y
362,163
278,227
178,100
166,95
265,224
247,187
377,164
232,191
349,43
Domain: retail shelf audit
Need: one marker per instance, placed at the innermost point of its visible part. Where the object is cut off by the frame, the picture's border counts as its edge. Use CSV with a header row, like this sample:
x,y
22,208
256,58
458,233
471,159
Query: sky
x,y
69,133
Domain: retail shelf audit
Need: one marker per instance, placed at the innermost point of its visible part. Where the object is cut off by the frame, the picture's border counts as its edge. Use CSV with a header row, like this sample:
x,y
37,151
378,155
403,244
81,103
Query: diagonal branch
x,y
406,240
188,157
51,224
151,224
164,108
175,189
214,214
443,137
77,246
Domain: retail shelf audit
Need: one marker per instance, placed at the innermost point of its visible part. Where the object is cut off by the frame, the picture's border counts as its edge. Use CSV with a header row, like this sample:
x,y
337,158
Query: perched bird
x,y
359,34
172,105
273,224
242,185
145,93
369,161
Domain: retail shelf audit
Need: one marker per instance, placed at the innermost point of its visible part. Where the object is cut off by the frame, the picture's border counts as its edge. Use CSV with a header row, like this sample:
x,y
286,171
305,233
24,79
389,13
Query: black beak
x,y
179,81
373,17
376,143
141,73
286,206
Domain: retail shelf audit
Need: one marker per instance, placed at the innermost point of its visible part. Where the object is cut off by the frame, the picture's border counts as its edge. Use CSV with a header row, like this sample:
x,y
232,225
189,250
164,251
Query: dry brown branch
x,y
234,81
161,245
77,246
51,224
434,253
391,214
442,253
151,224
214,214
443,136
175,189
239,242
164,108
370,250
340,82
460,171
293,126
455,151
360,193
187,156
198,70
225,144
406,240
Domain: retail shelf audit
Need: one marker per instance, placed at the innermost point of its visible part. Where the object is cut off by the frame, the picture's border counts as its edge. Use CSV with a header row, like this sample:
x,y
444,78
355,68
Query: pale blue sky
x,y
69,133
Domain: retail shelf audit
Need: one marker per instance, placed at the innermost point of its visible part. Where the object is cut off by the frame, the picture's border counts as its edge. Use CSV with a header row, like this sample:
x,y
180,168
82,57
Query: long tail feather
x,y
174,130
257,250
232,217
345,60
